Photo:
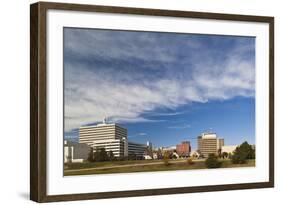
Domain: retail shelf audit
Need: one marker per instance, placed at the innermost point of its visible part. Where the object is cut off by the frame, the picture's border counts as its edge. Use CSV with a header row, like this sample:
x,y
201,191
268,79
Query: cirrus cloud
x,y
122,74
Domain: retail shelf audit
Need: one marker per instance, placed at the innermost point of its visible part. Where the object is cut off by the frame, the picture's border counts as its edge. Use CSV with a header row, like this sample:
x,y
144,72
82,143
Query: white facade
x,y
194,154
117,146
155,156
112,137
176,155
147,157
228,148
170,148
209,135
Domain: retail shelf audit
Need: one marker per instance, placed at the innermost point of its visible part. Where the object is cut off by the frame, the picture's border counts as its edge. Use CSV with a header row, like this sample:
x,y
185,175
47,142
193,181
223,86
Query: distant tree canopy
x,y
132,156
212,161
100,155
91,155
224,155
242,153
148,151
111,155
166,158
159,154
220,153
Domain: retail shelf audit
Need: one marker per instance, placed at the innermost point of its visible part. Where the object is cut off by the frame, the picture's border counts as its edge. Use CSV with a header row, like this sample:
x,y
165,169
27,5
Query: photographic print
x,y
142,101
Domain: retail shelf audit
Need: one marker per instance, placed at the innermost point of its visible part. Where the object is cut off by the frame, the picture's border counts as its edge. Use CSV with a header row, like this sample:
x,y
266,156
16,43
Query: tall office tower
x,y
209,143
112,137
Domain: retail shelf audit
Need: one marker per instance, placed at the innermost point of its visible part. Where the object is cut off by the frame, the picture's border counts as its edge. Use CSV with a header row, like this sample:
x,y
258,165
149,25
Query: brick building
x,y
183,149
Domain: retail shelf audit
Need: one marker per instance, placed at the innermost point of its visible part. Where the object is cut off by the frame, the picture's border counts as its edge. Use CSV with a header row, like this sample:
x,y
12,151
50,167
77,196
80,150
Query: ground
x,y
141,166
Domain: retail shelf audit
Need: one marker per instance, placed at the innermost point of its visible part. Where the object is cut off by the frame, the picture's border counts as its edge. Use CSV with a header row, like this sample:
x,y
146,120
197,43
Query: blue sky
x,y
163,87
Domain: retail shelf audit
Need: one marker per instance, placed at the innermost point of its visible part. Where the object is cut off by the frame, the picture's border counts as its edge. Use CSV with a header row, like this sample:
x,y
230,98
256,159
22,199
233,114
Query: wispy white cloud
x,y
164,75
182,126
166,113
141,134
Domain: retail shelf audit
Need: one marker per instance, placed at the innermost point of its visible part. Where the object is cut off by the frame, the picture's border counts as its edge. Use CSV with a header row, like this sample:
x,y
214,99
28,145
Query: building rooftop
x,y
101,125
209,135
104,123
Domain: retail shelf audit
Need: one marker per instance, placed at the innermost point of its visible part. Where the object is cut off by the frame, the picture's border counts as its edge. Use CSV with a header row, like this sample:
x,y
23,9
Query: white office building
x,y
112,137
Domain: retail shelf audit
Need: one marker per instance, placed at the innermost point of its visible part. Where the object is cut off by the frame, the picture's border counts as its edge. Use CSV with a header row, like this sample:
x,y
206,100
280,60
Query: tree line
x,y
101,155
240,155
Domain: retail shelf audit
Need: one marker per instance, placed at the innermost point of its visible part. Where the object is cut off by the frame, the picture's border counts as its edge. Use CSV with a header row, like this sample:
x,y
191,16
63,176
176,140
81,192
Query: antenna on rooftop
x,y
104,120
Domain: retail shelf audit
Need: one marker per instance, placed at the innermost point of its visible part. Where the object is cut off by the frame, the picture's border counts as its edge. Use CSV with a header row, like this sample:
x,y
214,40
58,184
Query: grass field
x,y
141,166
107,163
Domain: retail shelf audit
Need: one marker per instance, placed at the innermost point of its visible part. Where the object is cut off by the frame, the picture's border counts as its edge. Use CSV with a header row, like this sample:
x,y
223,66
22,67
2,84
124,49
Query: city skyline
x,y
161,92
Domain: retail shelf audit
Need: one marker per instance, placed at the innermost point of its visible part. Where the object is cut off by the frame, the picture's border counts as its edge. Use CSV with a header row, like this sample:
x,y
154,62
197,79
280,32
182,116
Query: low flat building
x,y
228,149
138,150
75,152
169,148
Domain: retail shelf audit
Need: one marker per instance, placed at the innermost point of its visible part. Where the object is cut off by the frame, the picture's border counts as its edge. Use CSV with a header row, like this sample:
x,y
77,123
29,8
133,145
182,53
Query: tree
x,y
219,153
111,156
159,154
166,158
91,155
170,154
148,151
242,153
212,161
132,156
100,155
224,155
97,157
103,155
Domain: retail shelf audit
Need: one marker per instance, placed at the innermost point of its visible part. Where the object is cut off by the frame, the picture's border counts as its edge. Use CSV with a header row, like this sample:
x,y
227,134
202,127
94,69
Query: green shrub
x,y
225,155
166,158
190,161
91,155
239,158
212,162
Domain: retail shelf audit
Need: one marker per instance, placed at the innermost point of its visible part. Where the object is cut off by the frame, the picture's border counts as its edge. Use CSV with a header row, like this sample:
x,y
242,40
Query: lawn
x,y
105,164
139,166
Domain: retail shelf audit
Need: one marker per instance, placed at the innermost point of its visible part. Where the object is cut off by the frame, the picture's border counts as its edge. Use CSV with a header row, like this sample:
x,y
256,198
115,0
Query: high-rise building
x,y
112,137
183,149
209,143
